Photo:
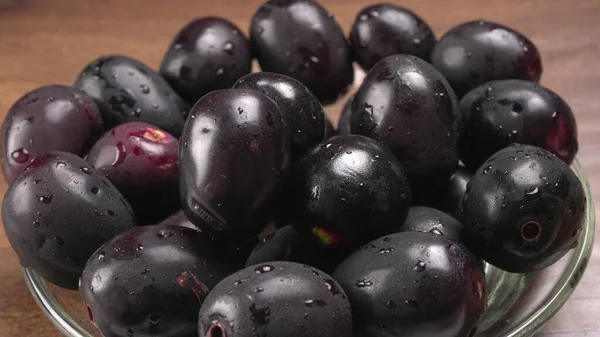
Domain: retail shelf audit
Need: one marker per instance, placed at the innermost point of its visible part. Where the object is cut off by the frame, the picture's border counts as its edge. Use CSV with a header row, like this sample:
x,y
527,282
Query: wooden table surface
x,y
50,41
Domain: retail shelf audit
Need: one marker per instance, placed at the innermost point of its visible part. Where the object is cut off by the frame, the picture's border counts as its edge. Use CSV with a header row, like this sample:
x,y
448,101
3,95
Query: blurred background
x,y
50,41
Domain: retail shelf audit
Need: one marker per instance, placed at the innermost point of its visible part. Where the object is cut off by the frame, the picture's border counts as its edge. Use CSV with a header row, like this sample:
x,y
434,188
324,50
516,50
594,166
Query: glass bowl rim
x,y
551,305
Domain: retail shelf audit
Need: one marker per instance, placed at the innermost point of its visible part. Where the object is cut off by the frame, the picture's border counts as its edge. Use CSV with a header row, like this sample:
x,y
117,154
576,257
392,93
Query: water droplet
x,y
390,304
95,190
259,290
140,247
363,283
240,110
264,269
386,250
219,71
228,47
436,232
36,223
469,54
531,192
363,17
315,303
59,241
20,156
413,304
45,199
487,169
314,59
145,89
420,266
101,256
137,112
417,41
155,319
237,283
86,170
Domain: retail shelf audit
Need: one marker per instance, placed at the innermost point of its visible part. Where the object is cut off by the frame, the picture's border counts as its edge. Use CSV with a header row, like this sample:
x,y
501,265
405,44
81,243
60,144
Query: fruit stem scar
x,y
217,330
531,231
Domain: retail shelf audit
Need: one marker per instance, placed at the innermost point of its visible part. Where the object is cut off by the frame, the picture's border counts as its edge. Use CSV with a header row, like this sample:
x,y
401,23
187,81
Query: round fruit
x,y
431,220
151,281
234,155
300,39
58,212
451,196
129,91
384,30
413,284
50,118
285,244
141,161
207,54
347,191
301,110
276,299
500,113
407,105
477,52
525,207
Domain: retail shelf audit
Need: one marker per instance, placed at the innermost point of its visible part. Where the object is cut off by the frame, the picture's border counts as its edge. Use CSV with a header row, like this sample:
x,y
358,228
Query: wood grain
x,y
50,41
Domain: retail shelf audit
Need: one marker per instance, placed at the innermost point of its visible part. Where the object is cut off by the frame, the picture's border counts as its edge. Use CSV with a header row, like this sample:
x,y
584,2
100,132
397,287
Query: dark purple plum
x,y
151,281
407,105
300,39
346,191
207,54
503,112
384,30
58,212
276,299
477,52
413,284
285,244
126,90
50,118
344,121
525,208
430,220
234,158
301,110
451,196
141,161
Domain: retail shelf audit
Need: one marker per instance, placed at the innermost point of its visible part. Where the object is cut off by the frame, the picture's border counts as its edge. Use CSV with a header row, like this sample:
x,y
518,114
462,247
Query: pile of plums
x,y
205,200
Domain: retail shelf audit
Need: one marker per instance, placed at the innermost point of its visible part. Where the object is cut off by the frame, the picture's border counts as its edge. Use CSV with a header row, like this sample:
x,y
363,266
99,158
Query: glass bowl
x,y
518,304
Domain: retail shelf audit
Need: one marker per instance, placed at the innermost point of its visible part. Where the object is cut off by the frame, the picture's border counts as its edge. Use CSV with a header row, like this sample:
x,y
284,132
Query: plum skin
x,y
275,299
301,110
58,212
384,30
300,39
413,284
477,52
537,213
208,54
406,104
346,191
127,90
499,113
151,281
234,157
141,160
50,118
